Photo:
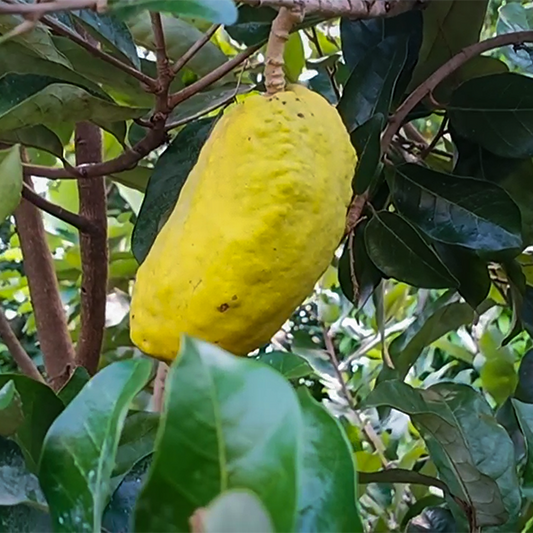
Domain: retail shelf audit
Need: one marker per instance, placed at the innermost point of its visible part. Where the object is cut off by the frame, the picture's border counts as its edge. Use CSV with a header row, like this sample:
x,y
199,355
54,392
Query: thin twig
x,y
20,355
93,249
77,221
330,70
194,49
50,316
355,211
159,386
372,436
431,146
426,87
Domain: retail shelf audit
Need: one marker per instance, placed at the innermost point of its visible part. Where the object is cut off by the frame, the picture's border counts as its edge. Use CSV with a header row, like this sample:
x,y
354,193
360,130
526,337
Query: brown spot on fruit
x,y
234,297
301,115
222,308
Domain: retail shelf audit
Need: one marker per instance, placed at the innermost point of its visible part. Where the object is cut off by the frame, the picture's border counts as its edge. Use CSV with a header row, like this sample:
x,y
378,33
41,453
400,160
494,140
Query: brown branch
x,y
57,211
159,386
433,144
360,9
164,74
45,7
194,49
93,49
212,77
429,85
50,317
355,212
20,355
93,248
279,35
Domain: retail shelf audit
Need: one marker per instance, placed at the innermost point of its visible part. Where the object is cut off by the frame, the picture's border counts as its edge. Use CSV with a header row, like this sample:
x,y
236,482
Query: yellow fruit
x,y
255,226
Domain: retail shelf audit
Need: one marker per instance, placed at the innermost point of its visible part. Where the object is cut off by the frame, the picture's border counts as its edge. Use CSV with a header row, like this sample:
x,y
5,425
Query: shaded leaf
x,y
524,415
10,181
167,179
321,83
472,452
74,385
17,484
432,520
328,498
424,507
367,142
24,519
358,276
370,86
11,414
229,421
236,510
37,137
79,449
455,210
289,364
524,390
136,178
40,407
496,112
400,252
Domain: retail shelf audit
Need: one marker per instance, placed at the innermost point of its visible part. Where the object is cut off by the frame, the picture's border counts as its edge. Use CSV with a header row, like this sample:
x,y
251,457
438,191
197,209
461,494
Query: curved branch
x,y
426,87
193,50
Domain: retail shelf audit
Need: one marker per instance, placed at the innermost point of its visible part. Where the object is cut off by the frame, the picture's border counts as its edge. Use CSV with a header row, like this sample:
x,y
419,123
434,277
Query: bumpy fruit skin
x,y
255,226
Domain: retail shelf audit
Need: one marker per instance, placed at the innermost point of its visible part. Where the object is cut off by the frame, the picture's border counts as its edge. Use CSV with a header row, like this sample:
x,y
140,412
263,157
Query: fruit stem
x,y
279,35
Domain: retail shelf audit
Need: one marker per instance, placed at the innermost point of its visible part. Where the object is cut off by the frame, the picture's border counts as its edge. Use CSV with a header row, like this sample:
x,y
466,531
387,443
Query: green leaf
x,y
358,276
496,112
40,407
471,272
17,484
366,141
449,26
254,22
328,500
179,37
294,57
524,415
217,11
168,177
79,449
524,390
433,520
29,100
468,212
136,178
473,454
231,422
74,385
24,519
37,137
498,378
370,86
290,365
11,414
321,83
238,511
360,37
10,181
400,252
436,319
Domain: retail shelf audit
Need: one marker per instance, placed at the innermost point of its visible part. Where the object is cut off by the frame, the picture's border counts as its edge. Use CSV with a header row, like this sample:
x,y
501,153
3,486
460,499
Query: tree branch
x,y
21,357
360,9
57,211
429,85
164,74
50,317
93,247
193,50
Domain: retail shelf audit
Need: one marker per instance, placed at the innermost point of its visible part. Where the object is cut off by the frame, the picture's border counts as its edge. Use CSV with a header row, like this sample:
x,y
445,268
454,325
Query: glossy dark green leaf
x,y
367,142
360,37
290,365
420,506
24,519
40,407
168,177
473,454
358,276
469,269
79,450
436,319
217,11
38,137
513,16
525,310
467,212
17,484
254,22
328,500
238,511
118,515
432,520
11,414
231,422
496,112
524,390
112,33
400,252
370,87
73,386
322,84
